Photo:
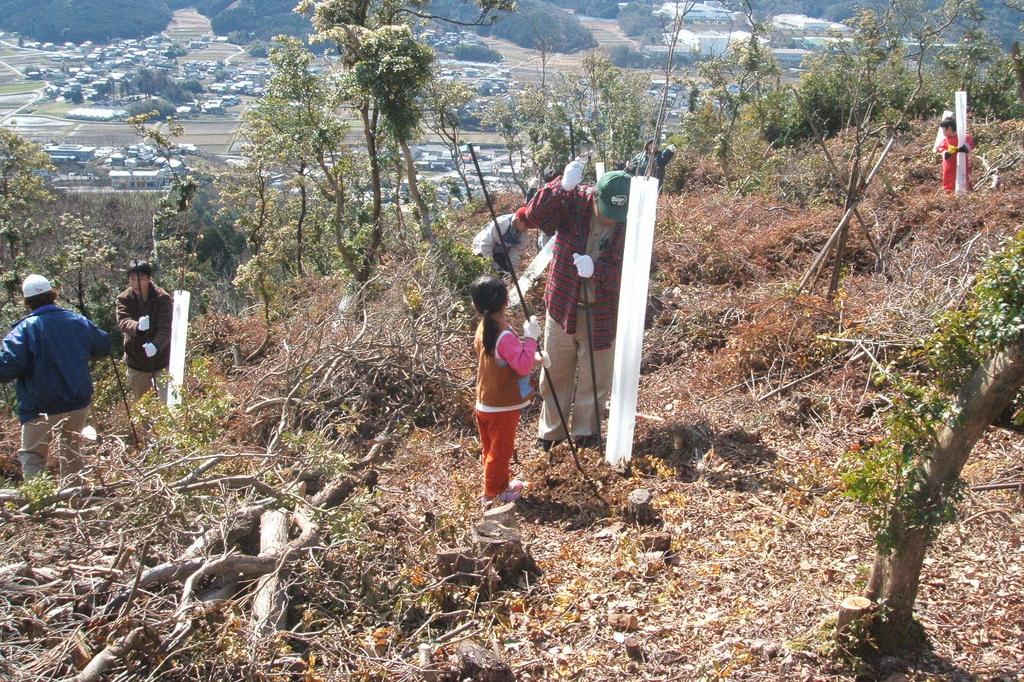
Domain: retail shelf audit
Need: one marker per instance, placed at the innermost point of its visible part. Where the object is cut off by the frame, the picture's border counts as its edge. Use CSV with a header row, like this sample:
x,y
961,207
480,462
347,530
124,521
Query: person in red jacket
x,y
949,148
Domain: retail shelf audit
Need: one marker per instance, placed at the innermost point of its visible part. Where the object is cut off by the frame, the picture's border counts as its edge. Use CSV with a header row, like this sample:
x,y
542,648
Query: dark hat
x,y
613,195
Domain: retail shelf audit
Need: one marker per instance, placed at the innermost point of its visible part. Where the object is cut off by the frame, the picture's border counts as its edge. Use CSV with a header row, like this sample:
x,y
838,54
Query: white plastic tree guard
x,y
179,335
629,336
961,132
533,271
599,169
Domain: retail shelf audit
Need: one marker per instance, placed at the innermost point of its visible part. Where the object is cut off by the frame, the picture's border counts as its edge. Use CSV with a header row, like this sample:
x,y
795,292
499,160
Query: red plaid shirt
x,y
567,215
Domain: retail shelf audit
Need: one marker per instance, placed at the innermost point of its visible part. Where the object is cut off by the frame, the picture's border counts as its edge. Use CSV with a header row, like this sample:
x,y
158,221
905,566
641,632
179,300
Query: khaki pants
x,y
144,382
37,434
570,374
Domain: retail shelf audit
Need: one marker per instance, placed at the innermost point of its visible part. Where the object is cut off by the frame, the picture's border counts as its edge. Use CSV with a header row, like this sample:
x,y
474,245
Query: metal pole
x,y
526,312
124,398
590,352
113,365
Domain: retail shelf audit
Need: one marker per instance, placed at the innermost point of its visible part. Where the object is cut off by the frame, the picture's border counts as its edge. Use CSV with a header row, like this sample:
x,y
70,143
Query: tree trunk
x,y
895,576
426,231
303,208
1018,69
414,191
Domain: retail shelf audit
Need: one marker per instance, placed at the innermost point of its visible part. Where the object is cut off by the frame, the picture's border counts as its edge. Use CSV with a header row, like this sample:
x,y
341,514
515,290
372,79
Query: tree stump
x,y
464,568
638,508
502,514
504,547
634,649
481,665
852,613
271,603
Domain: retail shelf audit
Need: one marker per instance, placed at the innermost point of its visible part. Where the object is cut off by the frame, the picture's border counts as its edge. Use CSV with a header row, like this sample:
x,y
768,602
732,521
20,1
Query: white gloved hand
x,y
584,265
543,358
531,328
572,175
672,148
144,323
150,349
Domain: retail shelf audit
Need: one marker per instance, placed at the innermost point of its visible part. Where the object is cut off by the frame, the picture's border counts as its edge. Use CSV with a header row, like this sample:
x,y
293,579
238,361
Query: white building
x,y
140,179
790,58
700,13
96,114
708,43
799,23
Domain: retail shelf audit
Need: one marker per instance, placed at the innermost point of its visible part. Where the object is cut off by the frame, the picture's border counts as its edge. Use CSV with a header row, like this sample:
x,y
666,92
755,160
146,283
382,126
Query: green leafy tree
x,y
445,101
23,186
910,482
610,107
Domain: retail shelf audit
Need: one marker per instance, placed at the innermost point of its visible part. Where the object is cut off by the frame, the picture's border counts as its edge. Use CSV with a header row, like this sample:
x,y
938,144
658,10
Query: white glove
x,y
572,175
144,323
672,148
584,265
531,328
150,349
543,358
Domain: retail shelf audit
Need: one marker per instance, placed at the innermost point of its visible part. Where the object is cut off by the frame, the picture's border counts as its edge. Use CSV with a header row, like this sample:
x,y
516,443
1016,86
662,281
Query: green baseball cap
x,y
613,195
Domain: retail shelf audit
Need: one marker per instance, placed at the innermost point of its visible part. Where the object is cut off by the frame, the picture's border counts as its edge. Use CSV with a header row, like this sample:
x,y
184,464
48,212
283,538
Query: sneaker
x,y
514,492
509,496
486,502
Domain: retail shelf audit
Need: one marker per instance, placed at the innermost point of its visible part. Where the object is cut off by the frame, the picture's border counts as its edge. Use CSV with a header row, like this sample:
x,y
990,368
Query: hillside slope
x,y
361,425
80,20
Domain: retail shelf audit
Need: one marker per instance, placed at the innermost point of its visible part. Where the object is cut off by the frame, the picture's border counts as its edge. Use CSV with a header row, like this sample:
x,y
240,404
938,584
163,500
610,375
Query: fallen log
x,y
271,603
479,664
110,655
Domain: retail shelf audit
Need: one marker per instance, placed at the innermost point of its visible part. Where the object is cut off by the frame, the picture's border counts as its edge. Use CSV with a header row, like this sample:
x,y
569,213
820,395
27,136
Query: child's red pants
x,y
498,438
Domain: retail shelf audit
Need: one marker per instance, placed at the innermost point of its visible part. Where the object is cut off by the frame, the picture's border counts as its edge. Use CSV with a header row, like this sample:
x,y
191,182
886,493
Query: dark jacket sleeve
x,y
14,355
128,326
165,315
100,341
666,156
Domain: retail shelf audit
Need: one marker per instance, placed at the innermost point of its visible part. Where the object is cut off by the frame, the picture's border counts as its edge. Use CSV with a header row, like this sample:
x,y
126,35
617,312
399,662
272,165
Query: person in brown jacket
x,y
144,313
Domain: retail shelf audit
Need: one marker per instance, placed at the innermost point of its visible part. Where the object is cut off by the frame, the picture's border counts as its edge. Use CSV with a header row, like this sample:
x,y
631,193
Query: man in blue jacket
x,y
48,352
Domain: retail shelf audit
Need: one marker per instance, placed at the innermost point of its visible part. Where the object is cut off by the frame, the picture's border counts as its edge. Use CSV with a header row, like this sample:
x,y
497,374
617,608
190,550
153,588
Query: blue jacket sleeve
x,y
14,355
100,345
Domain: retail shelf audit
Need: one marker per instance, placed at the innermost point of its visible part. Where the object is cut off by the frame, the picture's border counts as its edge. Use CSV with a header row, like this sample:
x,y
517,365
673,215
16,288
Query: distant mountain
x,y
60,21
535,21
249,19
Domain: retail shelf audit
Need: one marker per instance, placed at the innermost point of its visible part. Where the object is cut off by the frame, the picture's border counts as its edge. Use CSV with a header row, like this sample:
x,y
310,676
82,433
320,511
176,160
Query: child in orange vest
x,y
503,385
949,148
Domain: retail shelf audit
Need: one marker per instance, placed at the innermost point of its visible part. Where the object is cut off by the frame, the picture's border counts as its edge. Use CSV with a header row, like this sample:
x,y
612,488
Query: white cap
x,y
35,285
